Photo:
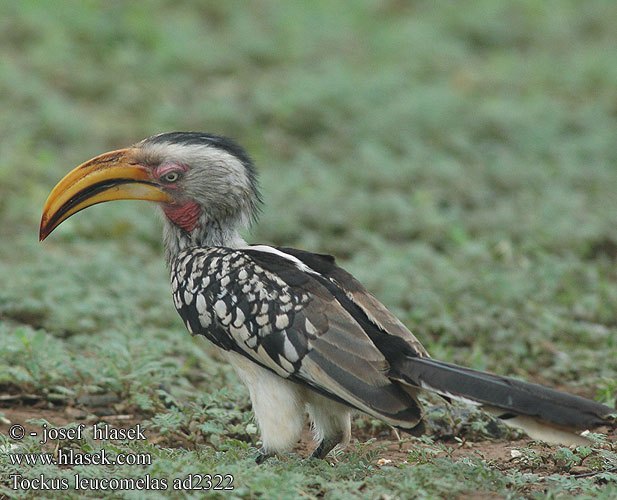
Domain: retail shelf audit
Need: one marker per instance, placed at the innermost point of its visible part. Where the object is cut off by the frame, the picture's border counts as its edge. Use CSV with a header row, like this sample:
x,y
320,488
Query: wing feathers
x,y
374,310
387,402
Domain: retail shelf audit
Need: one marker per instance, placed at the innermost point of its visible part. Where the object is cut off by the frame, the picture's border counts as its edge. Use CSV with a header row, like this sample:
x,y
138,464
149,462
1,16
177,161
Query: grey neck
x,y
207,233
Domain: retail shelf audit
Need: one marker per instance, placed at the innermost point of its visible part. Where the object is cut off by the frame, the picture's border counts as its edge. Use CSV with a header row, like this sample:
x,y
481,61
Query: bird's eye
x,y
171,177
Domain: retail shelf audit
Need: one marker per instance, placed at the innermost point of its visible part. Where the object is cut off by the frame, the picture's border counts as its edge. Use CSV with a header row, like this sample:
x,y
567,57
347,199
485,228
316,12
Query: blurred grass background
x,y
459,160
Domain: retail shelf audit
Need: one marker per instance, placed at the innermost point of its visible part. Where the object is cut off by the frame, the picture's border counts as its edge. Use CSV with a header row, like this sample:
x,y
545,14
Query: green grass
x,y
460,161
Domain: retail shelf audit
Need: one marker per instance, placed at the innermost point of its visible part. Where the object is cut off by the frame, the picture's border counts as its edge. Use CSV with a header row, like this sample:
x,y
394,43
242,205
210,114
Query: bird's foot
x,y
263,456
326,445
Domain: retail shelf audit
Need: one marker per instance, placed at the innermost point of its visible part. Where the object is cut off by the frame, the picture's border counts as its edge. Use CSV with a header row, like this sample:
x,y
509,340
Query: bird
x,y
302,333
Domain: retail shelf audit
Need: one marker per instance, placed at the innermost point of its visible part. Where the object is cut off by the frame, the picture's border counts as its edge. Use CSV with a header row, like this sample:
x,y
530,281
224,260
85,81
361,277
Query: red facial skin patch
x,y
184,214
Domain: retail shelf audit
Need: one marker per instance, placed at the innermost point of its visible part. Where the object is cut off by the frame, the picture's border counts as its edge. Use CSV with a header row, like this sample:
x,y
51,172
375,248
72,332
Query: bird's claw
x,y
263,456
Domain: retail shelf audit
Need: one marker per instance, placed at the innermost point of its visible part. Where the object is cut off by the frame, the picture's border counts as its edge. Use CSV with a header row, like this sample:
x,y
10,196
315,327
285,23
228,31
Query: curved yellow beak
x,y
111,176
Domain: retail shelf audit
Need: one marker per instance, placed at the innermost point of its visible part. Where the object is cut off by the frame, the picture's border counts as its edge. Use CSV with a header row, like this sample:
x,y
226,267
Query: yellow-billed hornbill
x,y
301,332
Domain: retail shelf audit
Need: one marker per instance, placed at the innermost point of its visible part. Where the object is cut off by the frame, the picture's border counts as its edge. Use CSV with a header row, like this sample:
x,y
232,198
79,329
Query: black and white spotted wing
x,y
271,307
238,305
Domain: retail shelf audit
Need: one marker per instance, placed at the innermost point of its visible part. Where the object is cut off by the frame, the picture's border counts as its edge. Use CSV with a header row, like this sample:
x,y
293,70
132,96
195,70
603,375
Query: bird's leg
x,y
277,403
331,424
263,456
326,445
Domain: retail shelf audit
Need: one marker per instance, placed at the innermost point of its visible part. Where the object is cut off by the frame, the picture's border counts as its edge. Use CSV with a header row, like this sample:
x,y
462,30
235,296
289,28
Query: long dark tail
x,y
543,413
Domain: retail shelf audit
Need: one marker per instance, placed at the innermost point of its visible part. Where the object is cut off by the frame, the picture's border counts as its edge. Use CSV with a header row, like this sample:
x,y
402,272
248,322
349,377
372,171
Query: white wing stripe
x,y
268,249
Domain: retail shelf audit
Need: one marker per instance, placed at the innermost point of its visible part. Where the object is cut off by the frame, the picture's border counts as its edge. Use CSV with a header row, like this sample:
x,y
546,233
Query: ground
x,y
457,436
460,162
